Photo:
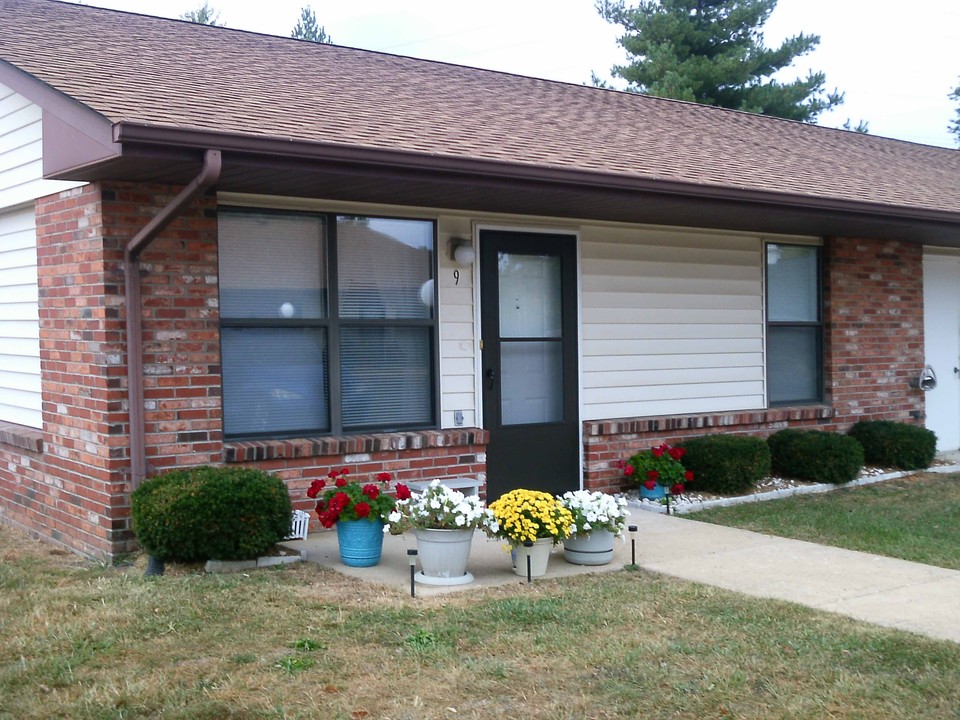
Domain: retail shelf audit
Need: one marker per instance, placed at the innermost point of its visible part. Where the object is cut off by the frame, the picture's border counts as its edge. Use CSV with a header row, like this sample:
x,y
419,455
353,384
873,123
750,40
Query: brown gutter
x,y
131,268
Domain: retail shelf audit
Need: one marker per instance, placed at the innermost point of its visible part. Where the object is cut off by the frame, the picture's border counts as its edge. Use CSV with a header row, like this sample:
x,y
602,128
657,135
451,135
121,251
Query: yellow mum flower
x,y
531,514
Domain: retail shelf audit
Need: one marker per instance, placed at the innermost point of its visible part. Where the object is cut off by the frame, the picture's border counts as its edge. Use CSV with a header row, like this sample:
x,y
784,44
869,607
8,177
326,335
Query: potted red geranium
x,y
658,471
359,510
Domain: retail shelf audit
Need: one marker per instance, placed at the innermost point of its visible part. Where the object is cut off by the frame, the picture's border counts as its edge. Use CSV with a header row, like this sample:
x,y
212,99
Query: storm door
x,y
528,311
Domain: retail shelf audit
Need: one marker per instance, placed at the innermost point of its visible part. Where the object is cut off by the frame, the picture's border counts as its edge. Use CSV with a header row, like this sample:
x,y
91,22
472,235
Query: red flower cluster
x,y
675,452
348,500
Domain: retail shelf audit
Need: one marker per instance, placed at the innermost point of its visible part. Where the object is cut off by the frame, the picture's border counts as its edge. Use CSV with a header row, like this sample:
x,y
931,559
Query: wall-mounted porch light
x,y
462,252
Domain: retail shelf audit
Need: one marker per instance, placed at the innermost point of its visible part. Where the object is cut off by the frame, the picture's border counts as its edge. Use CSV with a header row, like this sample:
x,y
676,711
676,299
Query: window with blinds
x,y
794,325
327,323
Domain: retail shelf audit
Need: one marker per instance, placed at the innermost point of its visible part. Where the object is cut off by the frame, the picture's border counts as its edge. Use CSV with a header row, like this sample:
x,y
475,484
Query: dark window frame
x,y
333,324
817,324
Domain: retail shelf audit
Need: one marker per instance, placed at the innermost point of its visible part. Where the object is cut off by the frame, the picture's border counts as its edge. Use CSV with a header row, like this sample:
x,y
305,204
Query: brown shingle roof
x,y
175,74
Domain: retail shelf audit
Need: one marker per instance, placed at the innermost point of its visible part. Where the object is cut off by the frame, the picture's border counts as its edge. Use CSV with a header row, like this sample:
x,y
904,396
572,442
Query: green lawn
x,y
915,518
87,642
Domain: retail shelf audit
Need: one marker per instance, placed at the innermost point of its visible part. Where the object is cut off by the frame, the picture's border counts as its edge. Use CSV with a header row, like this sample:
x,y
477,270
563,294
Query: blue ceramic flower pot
x,y
361,542
658,492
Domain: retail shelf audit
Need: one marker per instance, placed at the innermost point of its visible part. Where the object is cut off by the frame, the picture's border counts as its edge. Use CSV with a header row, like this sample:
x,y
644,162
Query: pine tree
x,y
308,29
712,52
954,126
204,15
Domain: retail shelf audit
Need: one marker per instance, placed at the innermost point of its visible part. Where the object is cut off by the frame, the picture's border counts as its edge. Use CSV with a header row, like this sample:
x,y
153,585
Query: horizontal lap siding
x,y
672,322
458,332
21,152
20,400
21,182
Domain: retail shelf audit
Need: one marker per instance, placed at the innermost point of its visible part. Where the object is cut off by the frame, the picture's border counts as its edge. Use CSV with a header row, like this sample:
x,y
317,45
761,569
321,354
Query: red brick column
x,y
81,358
181,337
873,339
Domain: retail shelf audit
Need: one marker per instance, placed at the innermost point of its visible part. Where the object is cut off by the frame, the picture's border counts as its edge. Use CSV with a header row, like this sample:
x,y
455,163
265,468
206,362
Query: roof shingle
x,y
175,74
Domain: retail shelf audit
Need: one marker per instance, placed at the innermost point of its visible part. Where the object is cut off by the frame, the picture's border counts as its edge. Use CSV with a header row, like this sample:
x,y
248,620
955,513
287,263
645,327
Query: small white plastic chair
x,y
299,525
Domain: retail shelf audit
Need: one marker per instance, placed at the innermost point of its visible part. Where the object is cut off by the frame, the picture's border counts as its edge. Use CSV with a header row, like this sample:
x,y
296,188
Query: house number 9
x,y
456,277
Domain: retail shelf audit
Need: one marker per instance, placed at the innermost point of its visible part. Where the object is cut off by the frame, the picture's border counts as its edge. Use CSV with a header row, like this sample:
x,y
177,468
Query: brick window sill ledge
x,y
21,437
667,423
255,450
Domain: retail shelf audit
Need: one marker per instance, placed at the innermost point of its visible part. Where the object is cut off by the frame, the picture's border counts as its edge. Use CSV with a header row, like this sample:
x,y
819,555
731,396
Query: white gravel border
x,y
691,503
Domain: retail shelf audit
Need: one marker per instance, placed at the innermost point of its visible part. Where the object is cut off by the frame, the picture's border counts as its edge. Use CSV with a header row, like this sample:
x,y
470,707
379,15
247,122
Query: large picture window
x,y
794,325
327,323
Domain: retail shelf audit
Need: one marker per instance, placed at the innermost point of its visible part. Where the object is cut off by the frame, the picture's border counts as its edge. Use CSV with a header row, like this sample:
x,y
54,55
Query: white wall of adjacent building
x,y
21,182
941,331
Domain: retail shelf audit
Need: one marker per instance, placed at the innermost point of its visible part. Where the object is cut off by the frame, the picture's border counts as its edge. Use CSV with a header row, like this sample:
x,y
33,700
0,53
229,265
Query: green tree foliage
x,y
203,15
954,126
862,127
308,29
712,52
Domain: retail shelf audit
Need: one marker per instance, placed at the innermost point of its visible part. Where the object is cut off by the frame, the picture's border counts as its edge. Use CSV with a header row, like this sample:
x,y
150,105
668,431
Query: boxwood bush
x,y
895,444
211,513
727,464
815,455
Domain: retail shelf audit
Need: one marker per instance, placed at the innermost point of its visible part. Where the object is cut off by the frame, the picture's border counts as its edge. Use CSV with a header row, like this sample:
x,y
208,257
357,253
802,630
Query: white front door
x,y
941,328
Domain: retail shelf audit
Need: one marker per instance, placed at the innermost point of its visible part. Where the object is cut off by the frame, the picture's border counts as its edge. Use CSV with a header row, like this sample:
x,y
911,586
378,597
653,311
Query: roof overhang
x,y
288,167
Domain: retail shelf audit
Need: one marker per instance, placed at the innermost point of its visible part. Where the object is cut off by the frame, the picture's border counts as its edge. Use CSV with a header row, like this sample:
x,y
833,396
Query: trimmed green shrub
x,y
727,464
815,455
895,444
211,513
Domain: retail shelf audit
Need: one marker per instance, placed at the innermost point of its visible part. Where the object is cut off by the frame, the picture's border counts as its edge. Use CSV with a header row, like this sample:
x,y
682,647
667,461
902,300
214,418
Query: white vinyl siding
x,y
21,152
19,319
458,330
672,322
21,182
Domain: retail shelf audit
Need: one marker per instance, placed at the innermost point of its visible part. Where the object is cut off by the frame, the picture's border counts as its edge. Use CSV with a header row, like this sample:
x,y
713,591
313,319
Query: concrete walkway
x,y
894,593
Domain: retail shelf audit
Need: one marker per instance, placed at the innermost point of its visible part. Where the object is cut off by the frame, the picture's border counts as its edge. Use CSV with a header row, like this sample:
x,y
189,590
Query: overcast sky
x,y
895,61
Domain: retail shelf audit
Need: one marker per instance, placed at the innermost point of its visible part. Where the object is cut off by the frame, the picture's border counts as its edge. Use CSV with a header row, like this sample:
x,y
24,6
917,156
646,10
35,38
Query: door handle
x,y
491,377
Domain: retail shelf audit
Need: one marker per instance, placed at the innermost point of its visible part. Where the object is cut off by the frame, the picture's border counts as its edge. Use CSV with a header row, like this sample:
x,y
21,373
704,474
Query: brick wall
x,y
81,360
74,486
873,347
408,457
181,340
71,483
873,307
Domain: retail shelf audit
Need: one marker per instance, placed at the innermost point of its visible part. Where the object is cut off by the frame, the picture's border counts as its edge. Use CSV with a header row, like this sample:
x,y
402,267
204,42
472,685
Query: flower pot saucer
x,y
433,580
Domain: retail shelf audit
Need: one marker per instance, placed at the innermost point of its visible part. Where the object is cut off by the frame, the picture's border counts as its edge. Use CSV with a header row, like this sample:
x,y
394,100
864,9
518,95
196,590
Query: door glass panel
x,y
532,382
529,296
